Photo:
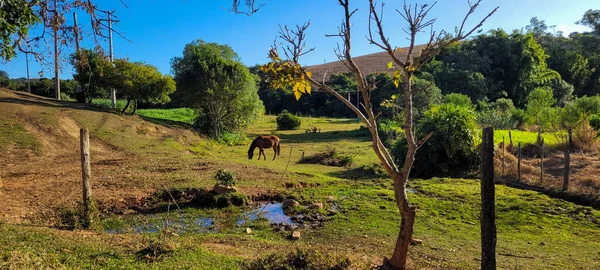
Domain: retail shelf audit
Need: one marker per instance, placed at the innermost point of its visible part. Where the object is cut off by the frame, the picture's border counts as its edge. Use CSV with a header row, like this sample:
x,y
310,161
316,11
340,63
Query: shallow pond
x,y
189,223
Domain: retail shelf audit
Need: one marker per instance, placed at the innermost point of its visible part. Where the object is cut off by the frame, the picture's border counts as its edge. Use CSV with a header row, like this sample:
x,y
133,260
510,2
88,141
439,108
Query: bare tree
x,y
248,7
289,73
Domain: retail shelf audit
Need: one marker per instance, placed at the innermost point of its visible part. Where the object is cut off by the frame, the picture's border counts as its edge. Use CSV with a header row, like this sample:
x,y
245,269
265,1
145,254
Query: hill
x,y
40,164
370,63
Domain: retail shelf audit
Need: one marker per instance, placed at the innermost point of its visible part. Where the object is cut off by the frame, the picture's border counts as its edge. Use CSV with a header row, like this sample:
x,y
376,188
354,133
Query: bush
x,y
300,259
233,138
518,116
458,99
496,119
595,121
225,178
389,131
451,148
287,121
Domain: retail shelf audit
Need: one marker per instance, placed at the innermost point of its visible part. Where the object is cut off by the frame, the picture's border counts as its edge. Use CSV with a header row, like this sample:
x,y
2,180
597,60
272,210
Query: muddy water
x,y
273,212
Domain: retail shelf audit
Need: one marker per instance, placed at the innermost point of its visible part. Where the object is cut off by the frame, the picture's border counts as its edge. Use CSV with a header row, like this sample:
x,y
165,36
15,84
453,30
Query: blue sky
x,y
159,29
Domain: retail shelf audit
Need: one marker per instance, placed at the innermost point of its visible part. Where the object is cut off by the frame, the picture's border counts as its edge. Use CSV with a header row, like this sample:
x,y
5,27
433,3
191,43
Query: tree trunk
x,y
134,106
408,214
407,211
126,106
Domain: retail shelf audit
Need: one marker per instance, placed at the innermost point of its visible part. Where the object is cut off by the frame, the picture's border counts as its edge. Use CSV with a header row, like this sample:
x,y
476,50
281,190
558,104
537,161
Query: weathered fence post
x,y
567,170
488,209
519,162
86,177
503,149
542,162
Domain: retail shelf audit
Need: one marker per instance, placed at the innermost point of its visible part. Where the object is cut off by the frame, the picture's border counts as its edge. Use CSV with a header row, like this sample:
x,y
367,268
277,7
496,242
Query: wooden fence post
x,y
488,209
542,162
567,170
86,177
519,162
503,149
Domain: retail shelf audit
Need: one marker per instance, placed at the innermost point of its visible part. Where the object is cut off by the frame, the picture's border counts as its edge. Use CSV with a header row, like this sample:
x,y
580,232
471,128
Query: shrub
x,y
496,119
451,148
389,131
225,178
299,259
458,100
287,121
595,121
233,138
518,116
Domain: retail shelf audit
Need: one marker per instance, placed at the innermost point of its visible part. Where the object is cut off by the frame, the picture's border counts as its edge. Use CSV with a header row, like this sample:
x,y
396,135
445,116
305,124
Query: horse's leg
x,y
259,152
263,153
274,151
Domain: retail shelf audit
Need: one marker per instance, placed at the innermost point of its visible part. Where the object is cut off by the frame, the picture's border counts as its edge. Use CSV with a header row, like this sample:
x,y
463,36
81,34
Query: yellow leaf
x,y
308,88
396,83
309,73
297,94
390,65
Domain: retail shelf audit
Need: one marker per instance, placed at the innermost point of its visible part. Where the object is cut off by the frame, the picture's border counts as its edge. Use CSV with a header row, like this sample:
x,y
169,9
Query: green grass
x,y
534,231
105,102
14,134
184,115
525,137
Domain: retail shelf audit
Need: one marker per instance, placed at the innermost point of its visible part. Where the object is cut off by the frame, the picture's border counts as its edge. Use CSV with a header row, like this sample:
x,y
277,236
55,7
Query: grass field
x,y
184,115
133,158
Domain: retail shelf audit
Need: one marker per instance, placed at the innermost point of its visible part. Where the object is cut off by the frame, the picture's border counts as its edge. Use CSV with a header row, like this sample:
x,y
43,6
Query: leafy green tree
x,y
211,78
591,19
91,67
16,17
139,82
538,101
493,65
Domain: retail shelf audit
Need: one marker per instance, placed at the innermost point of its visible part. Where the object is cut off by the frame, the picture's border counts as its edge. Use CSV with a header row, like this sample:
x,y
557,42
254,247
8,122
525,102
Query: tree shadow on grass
x,y
29,99
359,173
327,136
167,123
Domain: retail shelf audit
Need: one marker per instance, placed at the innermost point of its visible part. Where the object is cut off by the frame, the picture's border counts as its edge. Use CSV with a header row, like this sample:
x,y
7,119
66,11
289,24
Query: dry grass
x,y
369,64
584,177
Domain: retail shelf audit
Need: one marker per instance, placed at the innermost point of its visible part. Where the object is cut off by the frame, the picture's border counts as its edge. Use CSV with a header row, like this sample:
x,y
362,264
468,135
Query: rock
x,y
316,205
295,235
330,198
332,212
542,243
382,207
529,242
289,203
222,189
248,231
416,242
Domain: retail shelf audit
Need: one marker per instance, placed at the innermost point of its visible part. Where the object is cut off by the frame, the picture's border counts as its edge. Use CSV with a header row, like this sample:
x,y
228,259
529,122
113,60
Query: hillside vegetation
x,y
135,161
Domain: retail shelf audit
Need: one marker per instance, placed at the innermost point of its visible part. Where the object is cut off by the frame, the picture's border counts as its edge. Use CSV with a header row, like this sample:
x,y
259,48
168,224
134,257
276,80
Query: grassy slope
x,y
534,231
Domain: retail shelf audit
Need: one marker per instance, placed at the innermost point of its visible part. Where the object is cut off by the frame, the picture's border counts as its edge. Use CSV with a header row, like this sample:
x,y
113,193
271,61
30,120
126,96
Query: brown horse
x,y
264,142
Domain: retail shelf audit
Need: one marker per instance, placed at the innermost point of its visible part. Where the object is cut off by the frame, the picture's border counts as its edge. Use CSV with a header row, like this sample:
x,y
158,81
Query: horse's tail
x,y
278,147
